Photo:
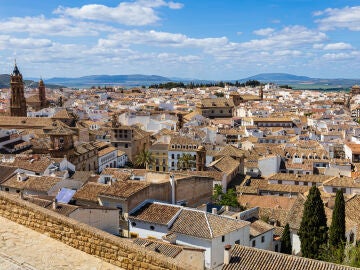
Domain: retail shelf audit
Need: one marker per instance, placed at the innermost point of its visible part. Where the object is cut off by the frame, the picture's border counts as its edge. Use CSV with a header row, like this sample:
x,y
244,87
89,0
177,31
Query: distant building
x,y
216,107
17,100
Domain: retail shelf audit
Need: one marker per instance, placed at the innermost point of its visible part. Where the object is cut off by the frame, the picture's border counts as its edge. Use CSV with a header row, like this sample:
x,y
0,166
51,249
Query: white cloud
x,y
347,17
159,39
23,43
289,37
264,31
56,26
341,56
338,46
136,13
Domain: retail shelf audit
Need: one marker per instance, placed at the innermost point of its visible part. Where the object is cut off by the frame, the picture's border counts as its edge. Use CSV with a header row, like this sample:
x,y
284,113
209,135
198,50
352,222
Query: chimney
x,y
227,254
214,210
54,204
172,183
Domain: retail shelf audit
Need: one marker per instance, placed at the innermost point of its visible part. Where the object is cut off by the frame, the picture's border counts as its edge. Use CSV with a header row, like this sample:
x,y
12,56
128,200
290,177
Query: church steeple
x,y
42,95
17,100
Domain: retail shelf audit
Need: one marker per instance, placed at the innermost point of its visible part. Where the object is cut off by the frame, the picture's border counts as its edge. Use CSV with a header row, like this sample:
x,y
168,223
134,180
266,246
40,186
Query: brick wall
x,y
112,249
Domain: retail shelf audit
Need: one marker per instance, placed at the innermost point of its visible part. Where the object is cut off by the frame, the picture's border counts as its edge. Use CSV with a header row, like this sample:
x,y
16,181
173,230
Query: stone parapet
x,y
112,249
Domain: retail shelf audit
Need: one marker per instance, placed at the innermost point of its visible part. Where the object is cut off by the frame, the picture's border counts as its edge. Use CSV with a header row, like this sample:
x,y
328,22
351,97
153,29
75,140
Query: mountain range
x,y
298,82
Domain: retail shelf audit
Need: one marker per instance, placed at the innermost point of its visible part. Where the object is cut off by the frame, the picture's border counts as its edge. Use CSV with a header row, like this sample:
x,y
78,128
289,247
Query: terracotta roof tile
x,y
248,258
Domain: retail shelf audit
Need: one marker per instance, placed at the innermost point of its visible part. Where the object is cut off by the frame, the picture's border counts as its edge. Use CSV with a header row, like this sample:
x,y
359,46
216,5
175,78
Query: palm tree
x,y
185,161
143,159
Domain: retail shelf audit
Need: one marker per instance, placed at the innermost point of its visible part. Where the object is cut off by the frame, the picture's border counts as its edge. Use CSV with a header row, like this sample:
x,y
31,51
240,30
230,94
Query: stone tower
x,y
261,93
200,158
17,100
62,142
42,95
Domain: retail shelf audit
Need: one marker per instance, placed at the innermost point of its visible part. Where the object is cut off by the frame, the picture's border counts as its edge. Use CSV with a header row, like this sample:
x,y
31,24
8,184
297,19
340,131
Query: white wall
x,y
269,165
268,241
103,219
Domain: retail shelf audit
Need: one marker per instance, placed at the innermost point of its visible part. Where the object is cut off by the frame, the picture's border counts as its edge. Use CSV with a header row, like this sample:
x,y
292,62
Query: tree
x,y
337,227
229,198
354,256
313,228
143,159
186,161
286,246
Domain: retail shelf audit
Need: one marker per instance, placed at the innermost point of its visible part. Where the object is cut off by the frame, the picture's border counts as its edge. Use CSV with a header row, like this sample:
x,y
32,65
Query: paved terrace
x,y
24,249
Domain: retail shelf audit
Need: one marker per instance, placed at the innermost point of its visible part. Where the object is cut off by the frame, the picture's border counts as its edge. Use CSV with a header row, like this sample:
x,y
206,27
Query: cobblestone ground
x,y
24,249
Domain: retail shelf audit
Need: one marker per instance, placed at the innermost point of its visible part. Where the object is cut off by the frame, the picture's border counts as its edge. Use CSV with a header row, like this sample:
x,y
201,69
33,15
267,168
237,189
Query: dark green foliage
x,y
337,227
354,256
229,198
286,246
143,159
186,161
313,229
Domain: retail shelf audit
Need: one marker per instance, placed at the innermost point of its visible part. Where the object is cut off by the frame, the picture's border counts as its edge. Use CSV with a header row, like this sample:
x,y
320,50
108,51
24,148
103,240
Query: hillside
x,y
129,80
5,82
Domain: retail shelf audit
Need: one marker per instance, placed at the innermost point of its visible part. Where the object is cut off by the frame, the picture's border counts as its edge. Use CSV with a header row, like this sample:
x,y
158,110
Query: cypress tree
x,y
313,228
337,227
286,246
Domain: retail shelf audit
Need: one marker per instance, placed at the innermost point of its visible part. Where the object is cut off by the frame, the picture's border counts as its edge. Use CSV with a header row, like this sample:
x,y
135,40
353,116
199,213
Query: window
x,y
223,238
253,244
297,183
276,248
133,224
237,242
152,227
133,235
6,189
126,145
306,183
172,156
262,239
279,181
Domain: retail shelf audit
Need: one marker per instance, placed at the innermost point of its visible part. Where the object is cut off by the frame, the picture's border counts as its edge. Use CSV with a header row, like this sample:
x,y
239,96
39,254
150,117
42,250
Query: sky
x,y
202,39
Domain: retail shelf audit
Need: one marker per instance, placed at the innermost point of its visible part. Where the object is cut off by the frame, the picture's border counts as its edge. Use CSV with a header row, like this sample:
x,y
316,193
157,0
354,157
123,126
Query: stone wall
x,y
112,249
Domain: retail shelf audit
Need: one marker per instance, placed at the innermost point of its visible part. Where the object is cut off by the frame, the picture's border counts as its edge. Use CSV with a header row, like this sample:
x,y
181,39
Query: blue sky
x,y
204,39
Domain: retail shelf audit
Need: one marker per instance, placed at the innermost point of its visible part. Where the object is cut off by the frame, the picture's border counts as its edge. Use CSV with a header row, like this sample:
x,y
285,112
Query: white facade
x,y
103,219
121,160
269,165
108,160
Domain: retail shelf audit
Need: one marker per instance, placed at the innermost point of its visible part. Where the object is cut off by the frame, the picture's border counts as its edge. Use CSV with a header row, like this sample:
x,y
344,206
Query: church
x,y
18,103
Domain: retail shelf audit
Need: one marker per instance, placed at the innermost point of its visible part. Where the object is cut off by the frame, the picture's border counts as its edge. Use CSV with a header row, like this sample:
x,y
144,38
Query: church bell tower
x,y
17,100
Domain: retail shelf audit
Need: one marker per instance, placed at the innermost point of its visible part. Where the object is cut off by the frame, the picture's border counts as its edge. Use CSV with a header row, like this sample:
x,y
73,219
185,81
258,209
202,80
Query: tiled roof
x,y
300,177
352,211
124,189
204,225
35,183
259,227
30,164
156,213
106,150
225,164
6,172
231,151
248,258
217,102
166,249
343,182
90,192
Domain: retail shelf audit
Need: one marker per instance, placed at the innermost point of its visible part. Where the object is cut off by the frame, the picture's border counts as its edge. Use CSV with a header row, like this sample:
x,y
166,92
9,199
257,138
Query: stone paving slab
x,y
24,249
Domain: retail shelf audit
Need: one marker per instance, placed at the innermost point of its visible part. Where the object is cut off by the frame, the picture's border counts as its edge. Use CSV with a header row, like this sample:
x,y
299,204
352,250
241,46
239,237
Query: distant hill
x,y
303,82
95,80
5,82
278,77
